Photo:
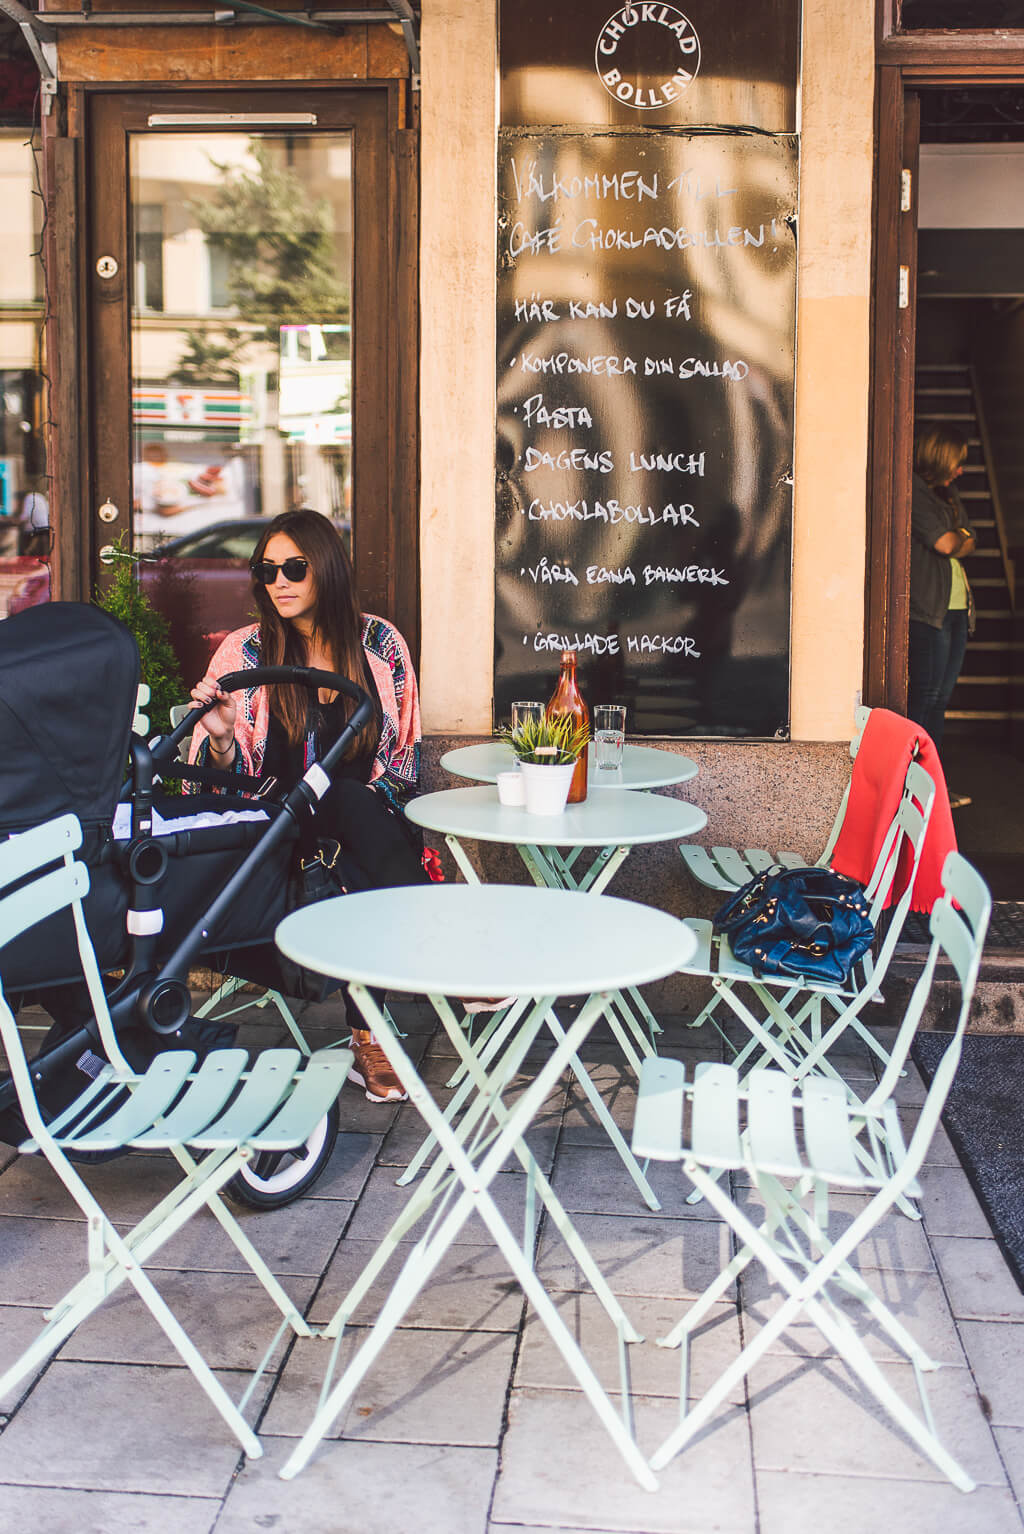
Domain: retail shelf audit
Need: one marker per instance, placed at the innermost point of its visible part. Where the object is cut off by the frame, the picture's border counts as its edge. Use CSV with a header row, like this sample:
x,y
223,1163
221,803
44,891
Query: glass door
x,y
241,347
239,301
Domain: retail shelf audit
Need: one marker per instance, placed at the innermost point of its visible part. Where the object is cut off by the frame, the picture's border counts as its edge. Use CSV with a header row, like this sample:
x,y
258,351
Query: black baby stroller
x,y
174,880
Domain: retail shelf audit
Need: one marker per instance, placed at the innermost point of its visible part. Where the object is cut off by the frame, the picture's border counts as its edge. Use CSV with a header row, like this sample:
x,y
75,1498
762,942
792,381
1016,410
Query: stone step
x,y
997,1007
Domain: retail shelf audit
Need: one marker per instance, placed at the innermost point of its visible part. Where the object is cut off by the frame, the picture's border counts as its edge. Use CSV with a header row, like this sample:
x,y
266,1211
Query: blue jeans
x,y
934,660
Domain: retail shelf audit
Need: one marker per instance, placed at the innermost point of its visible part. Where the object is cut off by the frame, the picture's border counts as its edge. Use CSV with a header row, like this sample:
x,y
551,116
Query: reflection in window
x,y
220,273
242,370
149,256
24,486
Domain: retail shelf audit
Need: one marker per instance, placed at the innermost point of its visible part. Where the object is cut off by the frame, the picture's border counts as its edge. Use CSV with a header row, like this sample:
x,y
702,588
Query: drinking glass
x,y
521,712
609,735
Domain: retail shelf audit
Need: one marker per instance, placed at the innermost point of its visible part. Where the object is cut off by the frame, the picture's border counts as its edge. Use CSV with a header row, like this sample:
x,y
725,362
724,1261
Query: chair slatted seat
x,y
209,1089
727,869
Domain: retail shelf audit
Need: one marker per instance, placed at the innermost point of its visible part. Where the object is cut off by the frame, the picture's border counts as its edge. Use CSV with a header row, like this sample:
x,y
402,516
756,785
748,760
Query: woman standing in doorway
x,y
309,615
940,598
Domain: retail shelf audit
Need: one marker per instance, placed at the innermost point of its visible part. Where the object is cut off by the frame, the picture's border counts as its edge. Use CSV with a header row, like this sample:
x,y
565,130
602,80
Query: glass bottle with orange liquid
x,y
567,699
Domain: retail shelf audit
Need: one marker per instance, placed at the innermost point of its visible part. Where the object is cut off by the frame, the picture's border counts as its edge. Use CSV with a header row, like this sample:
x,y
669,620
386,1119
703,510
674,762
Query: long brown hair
x,y
338,620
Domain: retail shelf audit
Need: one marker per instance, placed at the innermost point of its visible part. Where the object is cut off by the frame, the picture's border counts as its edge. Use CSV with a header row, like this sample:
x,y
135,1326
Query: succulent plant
x,y
555,740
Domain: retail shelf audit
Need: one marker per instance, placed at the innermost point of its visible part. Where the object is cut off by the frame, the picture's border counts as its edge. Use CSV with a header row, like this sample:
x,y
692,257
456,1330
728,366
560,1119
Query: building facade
x,y
371,365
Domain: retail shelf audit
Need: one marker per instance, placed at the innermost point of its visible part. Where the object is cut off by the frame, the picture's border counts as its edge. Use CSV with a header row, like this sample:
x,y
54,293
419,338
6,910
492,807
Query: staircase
x,y
988,697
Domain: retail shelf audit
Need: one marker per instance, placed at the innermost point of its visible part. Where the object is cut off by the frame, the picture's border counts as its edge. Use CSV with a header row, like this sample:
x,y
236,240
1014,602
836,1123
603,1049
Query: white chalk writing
x,y
589,311
662,644
611,512
568,458
565,362
533,240
694,367
668,463
591,644
550,574
695,574
622,186
590,235
536,413
536,308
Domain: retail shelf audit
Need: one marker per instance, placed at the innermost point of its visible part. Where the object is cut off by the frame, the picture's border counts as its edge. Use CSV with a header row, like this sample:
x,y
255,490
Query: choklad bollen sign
x,y
646,55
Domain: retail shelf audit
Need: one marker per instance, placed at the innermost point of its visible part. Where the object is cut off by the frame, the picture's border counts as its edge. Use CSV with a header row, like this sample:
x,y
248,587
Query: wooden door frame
x,y
907,63
385,444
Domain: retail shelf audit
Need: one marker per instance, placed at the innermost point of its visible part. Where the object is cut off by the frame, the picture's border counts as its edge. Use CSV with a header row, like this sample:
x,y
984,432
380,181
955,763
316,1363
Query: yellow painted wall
x,y
832,375
457,365
457,267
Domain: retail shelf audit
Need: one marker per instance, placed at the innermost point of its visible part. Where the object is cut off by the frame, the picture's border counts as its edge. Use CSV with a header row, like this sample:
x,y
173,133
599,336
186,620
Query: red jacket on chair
x,y
886,749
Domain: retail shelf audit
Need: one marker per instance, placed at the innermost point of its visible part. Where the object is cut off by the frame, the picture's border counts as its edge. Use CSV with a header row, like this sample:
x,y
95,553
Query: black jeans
x,y
374,839
935,657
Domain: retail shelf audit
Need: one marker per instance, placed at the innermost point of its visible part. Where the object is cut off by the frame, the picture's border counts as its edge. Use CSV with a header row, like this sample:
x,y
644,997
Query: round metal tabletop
x,y
486,940
642,766
613,818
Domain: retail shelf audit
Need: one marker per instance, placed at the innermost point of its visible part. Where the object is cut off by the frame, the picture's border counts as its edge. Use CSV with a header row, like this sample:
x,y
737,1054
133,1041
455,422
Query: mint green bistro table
x,y
612,823
642,766
470,940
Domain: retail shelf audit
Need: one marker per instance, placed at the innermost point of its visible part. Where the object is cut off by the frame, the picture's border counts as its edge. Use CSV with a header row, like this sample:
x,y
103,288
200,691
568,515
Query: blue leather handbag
x,y
808,923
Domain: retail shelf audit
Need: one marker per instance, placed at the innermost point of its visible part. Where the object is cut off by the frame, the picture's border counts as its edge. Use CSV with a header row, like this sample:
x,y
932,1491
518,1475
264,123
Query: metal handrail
x,y
993,483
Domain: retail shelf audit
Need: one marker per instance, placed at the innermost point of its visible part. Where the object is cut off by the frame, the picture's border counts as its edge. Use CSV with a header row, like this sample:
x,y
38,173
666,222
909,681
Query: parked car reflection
x,y
202,586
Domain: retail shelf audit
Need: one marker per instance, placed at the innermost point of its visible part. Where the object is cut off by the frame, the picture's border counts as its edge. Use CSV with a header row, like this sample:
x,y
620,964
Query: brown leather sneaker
x,y
370,1069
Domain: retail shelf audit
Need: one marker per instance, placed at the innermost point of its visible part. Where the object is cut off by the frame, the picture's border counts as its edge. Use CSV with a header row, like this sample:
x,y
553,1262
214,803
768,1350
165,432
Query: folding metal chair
x,y
221,1109
793,1032
140,723
772,1130
728,868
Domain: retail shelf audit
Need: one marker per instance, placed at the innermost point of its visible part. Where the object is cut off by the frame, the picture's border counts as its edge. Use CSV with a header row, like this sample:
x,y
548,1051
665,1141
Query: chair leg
x,y
195,1361
122,1262
807,1291
228,988
243,1245
851,1349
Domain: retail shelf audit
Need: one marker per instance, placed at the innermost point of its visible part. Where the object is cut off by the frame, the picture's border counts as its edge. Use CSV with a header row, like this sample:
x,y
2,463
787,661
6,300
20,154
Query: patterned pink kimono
x,y
396,766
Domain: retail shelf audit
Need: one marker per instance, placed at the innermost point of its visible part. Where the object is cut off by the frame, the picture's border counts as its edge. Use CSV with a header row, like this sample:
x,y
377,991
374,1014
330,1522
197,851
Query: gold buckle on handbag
x,y
318,857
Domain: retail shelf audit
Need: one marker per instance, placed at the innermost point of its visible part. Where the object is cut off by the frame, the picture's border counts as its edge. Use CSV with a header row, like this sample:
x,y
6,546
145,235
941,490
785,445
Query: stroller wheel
x,y
275,1178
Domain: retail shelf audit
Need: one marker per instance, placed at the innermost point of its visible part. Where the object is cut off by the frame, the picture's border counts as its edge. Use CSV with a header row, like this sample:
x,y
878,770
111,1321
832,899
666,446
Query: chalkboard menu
x,y
645,331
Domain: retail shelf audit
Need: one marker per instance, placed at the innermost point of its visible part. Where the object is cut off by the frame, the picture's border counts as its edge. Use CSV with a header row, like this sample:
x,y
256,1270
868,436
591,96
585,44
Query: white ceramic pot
x,y
546,788
510,787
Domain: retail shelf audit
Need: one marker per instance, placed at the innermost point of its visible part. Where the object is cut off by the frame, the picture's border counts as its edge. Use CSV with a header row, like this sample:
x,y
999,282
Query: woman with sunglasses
x,y
309,615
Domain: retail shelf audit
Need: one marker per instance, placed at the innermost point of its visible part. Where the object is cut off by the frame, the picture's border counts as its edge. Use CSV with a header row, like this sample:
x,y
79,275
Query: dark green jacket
x,y
931,576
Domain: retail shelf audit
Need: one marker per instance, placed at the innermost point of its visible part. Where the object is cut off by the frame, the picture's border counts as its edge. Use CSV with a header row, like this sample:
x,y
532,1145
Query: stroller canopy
x,y
69,674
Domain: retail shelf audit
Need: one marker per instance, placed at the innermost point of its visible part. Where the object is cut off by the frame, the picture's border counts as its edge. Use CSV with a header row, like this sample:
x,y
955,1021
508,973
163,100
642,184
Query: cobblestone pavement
x,y
469,1423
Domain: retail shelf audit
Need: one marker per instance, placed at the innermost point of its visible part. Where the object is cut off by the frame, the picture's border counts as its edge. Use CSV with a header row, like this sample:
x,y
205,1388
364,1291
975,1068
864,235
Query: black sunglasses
x,y
266,571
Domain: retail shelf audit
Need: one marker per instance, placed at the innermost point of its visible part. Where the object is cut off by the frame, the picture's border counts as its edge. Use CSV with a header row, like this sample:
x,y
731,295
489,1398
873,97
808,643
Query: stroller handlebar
x,y
263,676
304,676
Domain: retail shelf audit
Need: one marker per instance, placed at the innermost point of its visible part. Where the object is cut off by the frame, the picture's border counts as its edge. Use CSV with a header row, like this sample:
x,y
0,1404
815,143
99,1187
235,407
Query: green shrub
x,y
125,600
